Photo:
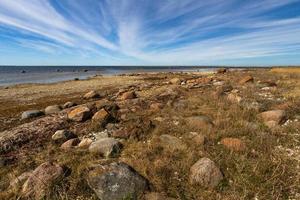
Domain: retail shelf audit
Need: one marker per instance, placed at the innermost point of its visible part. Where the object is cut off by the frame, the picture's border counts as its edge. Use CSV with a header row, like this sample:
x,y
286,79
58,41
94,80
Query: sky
x,y
150,32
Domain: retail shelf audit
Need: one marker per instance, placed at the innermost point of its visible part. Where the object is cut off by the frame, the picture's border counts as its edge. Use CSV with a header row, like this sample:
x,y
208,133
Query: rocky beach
x,y
227,134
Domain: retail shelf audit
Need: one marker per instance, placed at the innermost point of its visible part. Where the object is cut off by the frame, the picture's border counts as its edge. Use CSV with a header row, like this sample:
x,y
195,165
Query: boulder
x,y
31,114
79,114
85,143
205,173
41,180
91,95
52,109
273,118
107,147
101,117
62,136
70,144
246,79
175,81
128,95
69,104
200,122
233,144
30,134
117,181
172,142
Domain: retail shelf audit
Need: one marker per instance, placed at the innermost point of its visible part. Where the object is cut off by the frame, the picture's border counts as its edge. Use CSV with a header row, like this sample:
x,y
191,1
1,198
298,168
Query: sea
x,y
13,75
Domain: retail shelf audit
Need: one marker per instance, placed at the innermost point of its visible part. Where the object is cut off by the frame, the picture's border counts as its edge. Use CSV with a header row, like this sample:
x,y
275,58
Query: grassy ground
x,y
267,169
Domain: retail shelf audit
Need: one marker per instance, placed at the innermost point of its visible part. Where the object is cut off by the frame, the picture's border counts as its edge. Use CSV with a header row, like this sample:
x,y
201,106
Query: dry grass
x,y
259,172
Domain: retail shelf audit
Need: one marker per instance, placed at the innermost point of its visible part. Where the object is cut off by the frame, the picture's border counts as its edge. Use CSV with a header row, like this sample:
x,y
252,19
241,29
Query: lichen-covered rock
x,y
79,114
101,117
41,180
205,173
107,147
117,181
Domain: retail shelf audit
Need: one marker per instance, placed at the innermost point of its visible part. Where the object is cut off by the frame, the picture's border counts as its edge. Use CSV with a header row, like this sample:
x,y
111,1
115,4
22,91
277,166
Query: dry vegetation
x,y
268,168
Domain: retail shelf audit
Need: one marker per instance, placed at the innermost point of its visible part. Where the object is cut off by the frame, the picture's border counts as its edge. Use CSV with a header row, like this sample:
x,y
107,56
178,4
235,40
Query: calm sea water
x,y
11,75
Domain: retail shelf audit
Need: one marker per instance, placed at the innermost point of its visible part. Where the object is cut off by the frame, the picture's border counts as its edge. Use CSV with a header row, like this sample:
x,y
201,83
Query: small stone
x,y
79,114
273,118
70,144
107,147
85,143
234,98
156,106
205,173
200,122
128,95
62,136
31,114
234,144
246,79
175,81
42,179
172,142
117,181
91,95
199,139
69,104
52,109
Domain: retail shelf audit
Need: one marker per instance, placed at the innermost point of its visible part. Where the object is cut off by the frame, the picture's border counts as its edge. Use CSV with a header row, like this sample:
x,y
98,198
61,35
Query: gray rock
x,y
205,173
31,114
172,142
107,147
117,181
52,109
62,136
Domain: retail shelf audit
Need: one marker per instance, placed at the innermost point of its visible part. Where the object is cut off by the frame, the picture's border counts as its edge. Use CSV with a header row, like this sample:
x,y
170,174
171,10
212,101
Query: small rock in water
x,y
107,147
206,173
31,114
117,181
52,109
23,71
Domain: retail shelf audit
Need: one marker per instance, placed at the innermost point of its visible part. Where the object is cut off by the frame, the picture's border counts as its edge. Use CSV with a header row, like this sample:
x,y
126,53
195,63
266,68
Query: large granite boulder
x,y
117,181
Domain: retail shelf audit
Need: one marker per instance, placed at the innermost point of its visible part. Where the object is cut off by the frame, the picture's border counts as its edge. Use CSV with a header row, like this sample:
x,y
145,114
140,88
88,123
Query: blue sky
x,y
149,32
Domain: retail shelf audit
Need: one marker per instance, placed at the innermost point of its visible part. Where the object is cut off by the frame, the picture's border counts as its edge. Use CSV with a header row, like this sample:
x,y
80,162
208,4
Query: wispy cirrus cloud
x,y
154,31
